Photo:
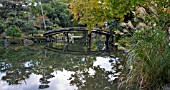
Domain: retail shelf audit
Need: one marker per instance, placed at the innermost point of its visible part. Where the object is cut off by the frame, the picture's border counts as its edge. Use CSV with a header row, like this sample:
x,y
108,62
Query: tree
x,y
15,12
61,13
92,12
55,12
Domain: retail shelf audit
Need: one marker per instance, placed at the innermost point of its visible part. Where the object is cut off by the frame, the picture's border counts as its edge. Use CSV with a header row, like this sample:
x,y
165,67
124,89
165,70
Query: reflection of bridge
x,y
65,31
80,52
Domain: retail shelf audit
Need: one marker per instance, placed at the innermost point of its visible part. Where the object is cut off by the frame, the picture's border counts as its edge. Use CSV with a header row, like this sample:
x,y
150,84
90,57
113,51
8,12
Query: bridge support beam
x,y
107,42
111,41
67,36
88,39
49,38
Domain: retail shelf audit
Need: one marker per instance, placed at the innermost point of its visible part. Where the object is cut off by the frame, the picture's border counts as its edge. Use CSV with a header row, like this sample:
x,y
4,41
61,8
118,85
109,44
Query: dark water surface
x,y
57,66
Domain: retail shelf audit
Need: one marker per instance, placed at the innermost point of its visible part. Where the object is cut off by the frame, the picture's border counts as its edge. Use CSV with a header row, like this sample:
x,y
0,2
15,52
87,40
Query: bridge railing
x,y
72,29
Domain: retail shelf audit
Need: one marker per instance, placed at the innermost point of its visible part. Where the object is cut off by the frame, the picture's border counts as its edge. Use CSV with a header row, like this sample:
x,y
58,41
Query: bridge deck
x,y
72,29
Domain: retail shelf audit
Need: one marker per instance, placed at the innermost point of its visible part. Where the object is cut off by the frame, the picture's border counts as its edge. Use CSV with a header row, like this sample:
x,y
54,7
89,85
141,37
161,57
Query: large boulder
x,y
28,42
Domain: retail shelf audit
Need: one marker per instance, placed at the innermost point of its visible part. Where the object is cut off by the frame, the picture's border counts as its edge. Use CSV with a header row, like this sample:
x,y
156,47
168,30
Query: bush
x,y
13,31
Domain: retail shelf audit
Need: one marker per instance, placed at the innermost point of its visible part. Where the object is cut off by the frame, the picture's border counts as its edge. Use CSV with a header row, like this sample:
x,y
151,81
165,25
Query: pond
x,y
58,66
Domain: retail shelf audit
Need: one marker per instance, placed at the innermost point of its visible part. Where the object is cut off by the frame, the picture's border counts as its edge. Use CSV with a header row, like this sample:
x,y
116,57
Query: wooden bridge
x,y
109,36
77,29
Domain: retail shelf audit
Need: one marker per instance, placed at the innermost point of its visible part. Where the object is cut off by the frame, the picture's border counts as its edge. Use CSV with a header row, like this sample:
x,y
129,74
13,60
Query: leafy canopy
x,y
92,12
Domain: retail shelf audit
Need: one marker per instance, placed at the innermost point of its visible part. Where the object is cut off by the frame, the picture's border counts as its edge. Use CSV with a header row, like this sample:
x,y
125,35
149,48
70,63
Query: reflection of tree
x,y
16,76
99,81
13,62
14,58
46,72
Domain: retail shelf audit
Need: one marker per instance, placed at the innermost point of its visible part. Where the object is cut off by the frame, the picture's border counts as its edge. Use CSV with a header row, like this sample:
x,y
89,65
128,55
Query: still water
x,y
57,66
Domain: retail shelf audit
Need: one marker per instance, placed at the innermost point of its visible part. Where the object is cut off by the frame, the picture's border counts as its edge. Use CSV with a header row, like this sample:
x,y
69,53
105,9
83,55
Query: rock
x,y
28,42
129,24
5,43
141,11
140,26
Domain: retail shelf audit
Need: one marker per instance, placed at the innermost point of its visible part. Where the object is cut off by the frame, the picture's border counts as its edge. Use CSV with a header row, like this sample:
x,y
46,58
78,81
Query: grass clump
x,y
148,59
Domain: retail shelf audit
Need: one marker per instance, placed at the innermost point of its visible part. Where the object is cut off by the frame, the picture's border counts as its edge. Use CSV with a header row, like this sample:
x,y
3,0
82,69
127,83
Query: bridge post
x,y
107,41
67,37
112,37
88,39
49,38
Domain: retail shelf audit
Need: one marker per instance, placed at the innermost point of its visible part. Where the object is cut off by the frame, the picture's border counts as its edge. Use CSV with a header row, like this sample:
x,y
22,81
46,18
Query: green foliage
x,y
61,13
148,59
28,17
2,27
92,12
147,62
13,31
56,11
14,13
96,12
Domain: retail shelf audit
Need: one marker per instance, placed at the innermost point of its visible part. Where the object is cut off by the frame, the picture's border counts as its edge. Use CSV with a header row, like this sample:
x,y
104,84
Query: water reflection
x,y
33,68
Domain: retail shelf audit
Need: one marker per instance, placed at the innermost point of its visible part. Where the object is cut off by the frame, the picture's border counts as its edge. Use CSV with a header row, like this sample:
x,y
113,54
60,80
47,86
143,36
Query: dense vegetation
x,y
23,18
140,26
